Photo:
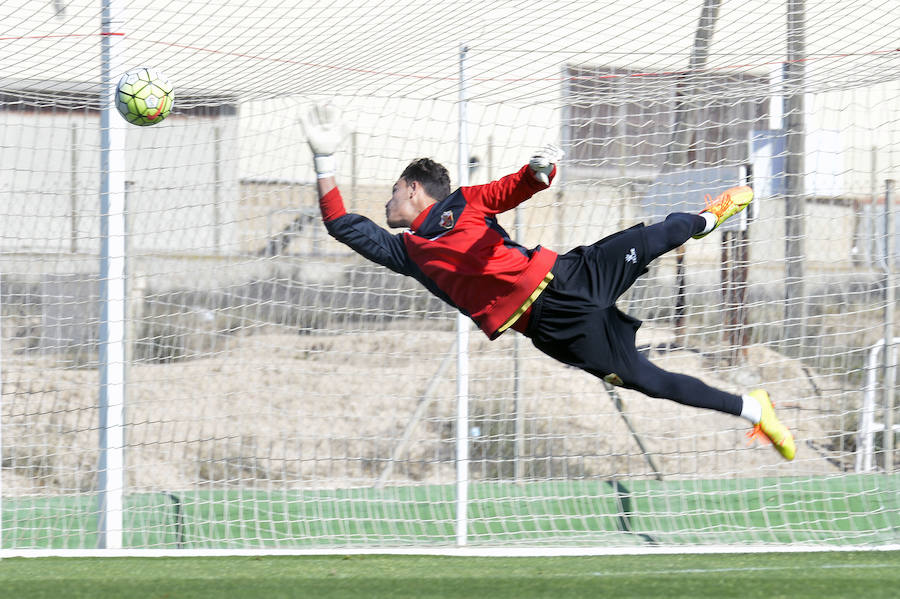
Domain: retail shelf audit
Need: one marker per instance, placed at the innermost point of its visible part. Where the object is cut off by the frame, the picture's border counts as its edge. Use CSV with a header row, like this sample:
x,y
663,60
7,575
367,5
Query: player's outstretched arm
x,y
324,130
508,192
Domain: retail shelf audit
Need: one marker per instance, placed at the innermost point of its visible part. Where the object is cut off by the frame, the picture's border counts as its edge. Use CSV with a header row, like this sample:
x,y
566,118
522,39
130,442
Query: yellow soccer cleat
x,y
726,204
770,428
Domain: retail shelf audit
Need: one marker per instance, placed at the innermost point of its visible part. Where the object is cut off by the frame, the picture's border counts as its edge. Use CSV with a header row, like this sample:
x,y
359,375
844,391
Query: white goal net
x,y
280,392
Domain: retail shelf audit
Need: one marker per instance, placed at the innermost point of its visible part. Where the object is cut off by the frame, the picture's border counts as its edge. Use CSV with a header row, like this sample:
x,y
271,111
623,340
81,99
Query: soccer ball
x,y
144,96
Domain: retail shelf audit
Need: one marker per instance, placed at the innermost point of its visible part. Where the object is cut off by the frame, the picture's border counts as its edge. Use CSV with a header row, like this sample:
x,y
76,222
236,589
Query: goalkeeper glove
x,y
543,161
324,130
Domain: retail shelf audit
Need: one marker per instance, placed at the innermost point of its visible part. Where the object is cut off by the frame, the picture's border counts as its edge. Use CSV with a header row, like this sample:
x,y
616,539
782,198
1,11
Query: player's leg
x,y
568,328
644,376
667,235
599,273
679,227
611,266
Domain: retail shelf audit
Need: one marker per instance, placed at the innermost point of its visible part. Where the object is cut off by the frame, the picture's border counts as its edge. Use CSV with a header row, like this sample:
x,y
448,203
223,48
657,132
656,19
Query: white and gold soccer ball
x,y
144,96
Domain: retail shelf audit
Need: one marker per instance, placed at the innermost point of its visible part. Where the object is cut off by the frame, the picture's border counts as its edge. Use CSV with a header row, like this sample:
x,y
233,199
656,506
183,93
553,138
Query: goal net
x,y
281,393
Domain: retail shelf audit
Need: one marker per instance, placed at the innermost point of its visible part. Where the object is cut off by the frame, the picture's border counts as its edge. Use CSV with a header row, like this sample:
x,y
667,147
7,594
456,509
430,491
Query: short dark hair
x,y
431,175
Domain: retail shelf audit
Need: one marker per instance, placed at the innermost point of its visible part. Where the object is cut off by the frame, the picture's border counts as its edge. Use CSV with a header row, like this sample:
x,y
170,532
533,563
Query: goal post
x,y
462,332
245,383
112,355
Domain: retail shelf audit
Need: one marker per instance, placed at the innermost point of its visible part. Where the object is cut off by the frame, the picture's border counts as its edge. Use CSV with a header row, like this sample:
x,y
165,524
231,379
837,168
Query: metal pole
x,y
217,189
865,440
518,402
73,190
684,130
1,411
794,173
354,170
685,113
565,142
890,367
462,339
111,475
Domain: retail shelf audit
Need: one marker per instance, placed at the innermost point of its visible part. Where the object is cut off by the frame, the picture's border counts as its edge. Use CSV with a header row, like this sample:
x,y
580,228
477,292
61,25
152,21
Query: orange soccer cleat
x,y
726,204
769,428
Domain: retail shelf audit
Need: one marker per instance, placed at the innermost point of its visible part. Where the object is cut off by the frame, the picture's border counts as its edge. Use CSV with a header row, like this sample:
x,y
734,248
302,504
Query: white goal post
x,y
189,363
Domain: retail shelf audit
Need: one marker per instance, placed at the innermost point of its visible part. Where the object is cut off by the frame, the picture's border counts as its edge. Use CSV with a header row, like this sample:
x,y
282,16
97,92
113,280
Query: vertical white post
x,y
73,190
462,338
217,189
1,416
111,468
890,368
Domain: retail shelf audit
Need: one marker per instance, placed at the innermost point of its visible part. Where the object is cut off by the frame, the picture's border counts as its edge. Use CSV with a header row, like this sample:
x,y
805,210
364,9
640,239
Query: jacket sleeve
x,y
507,192
362,235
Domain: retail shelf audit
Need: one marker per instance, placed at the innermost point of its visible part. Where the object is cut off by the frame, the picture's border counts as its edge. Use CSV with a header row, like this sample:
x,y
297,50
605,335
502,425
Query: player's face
x,y
400,211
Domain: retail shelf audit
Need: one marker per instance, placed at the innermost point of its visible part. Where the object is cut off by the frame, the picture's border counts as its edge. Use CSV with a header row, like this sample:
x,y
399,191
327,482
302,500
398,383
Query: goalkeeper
x,y
565,304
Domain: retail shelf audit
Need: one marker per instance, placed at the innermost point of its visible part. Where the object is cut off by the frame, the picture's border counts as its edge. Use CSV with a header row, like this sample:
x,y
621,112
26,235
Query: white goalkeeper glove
x,y
543,161
324,130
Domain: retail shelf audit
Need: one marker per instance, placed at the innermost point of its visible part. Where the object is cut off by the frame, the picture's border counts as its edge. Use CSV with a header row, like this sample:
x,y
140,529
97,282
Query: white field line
x,y
451,551
732,570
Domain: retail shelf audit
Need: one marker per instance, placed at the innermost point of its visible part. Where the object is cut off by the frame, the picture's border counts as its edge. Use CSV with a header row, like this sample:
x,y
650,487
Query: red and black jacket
x,y
456,248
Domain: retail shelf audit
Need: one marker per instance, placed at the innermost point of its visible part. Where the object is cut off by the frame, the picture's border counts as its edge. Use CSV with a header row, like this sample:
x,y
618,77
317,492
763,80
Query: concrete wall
x,y
182,182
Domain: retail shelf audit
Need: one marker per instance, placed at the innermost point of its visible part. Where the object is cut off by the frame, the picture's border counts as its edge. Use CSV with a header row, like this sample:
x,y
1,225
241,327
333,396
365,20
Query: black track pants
x,y
575,319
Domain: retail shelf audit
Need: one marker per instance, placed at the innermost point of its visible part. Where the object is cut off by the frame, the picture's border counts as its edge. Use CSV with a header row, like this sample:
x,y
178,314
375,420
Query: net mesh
x,y
284,393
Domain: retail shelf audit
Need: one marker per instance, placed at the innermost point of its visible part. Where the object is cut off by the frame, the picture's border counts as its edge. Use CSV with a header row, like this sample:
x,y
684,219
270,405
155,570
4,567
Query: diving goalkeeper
x,y
566,304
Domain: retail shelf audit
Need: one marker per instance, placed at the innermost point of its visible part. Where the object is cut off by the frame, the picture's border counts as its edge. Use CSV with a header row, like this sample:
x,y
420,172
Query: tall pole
x,y
73,189
111,468
890,367
794,172
684,130
518,401
462,337
1,411
217,189
685,113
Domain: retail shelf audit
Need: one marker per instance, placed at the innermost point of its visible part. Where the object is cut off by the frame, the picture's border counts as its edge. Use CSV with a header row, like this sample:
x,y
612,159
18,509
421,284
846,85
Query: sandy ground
x,y
308,411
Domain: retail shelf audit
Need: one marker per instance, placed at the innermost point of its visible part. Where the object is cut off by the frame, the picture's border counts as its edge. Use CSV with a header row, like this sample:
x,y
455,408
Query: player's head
x,y
431,175
421,183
